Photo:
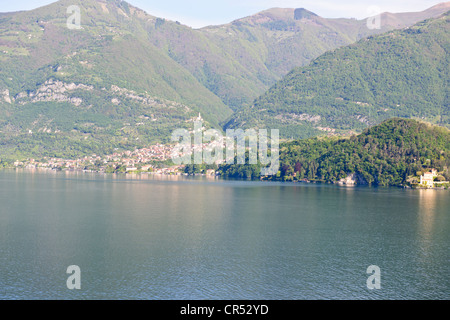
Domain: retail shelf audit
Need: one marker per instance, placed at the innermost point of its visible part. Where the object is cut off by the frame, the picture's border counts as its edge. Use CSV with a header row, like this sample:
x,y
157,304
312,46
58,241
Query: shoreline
x,y
217,176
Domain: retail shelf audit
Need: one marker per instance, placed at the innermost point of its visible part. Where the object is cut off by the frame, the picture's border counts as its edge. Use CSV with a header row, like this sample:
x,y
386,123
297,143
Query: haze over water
x,y
160,237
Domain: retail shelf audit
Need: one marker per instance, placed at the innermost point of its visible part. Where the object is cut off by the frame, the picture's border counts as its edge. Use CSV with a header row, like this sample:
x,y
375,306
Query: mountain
x,y
127,78
268,45
391,153
401,73
74,92
234,63
112,48
406,19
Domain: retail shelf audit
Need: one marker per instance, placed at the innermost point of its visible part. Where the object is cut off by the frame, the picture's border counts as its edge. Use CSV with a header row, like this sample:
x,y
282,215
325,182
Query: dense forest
x,y
392,153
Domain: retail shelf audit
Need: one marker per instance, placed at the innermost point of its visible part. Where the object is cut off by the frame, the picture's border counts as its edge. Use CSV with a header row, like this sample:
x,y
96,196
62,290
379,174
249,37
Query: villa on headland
x,y
428,179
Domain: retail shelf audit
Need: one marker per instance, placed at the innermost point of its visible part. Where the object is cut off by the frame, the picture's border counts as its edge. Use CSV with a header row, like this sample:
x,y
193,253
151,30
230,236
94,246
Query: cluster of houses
x,y
140,157
139,160
129,159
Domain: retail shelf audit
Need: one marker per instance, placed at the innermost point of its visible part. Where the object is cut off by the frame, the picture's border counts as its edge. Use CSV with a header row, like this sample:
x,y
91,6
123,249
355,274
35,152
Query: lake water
x,y
160,237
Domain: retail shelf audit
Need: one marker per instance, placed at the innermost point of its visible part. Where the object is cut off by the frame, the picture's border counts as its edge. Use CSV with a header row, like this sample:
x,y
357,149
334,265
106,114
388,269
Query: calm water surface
x,y
198,238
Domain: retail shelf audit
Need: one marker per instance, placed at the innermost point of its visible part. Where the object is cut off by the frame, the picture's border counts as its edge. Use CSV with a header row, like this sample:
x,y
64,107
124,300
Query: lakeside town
x,y
157,159
153,159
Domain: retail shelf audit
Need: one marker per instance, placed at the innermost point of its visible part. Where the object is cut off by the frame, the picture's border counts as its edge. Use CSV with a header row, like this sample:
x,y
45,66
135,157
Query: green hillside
x,y
211,67
241,60
391,153
69,93
112,48
127,79
401,73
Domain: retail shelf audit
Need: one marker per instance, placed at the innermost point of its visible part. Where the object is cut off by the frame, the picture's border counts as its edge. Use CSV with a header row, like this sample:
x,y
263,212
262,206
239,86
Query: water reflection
x,y
172,237
427,211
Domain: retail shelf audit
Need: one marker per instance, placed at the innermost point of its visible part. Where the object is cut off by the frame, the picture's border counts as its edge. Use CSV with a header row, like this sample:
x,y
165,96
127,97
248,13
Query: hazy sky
x,y
199,13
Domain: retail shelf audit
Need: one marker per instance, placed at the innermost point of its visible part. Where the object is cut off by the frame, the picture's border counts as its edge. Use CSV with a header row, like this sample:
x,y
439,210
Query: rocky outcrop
x,y
4,95
144,99
352,180
52,90
59,91
293,117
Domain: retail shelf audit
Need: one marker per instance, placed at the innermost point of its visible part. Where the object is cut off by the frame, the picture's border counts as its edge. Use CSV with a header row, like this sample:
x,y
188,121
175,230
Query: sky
x,y
200,13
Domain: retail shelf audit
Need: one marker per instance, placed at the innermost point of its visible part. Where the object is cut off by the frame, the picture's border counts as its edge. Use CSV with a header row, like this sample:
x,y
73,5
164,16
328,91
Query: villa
x,y
427,179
